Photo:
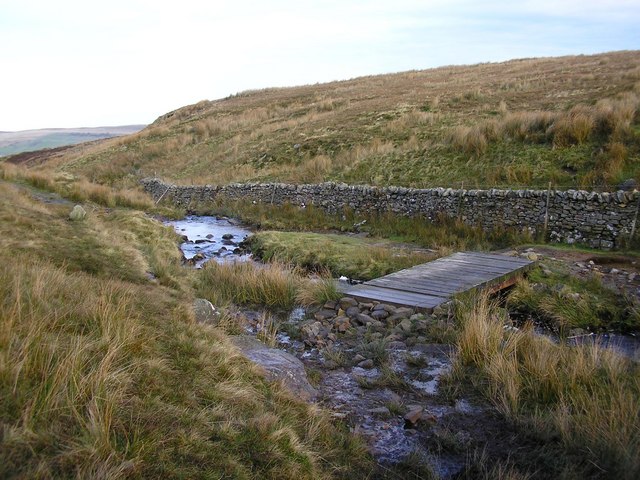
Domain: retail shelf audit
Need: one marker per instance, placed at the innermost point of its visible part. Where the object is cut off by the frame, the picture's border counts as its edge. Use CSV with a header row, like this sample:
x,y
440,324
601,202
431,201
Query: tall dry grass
x,y
105,379
587,395
470,140
83,191
78,189
272,285
67,359
275,285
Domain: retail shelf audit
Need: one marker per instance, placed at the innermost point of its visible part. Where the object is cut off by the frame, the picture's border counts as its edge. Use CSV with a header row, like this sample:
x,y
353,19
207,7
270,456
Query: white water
x,y
207,232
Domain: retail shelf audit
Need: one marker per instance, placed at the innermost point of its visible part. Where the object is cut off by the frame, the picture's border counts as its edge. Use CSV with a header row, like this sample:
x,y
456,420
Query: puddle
x,y
212,238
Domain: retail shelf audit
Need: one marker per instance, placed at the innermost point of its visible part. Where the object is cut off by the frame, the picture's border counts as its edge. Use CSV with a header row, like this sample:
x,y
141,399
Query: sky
x,y
83,63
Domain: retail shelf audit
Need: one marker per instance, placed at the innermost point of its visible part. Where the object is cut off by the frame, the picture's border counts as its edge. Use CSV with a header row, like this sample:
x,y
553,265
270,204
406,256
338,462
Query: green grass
x,y
565,301
443,234
353,257
118,243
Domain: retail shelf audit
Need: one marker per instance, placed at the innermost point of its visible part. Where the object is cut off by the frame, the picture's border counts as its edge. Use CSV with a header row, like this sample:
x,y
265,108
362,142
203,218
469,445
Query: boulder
x,y
352,312
347,302
278,366
379,314
364,319
342,324
367,363
628,185
77,214
205,312
324,314
414,415
330,305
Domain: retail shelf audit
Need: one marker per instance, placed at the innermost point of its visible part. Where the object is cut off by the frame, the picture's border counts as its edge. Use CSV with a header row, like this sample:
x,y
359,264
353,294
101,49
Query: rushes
x,y
273,285
587,395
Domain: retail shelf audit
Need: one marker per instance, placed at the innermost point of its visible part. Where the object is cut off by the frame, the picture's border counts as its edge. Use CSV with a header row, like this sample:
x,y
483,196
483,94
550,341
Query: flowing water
x,y
211,237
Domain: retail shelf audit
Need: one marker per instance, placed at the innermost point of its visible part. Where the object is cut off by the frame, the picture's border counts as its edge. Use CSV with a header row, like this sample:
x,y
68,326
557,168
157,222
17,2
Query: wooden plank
x,y
493,257
472,263
426,290
448,276
433,288
394,297
482,266
453,267
402,295
453,274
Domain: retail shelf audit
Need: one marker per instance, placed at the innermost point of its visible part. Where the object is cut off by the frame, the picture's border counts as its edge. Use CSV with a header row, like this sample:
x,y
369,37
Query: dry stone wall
x,y
600,220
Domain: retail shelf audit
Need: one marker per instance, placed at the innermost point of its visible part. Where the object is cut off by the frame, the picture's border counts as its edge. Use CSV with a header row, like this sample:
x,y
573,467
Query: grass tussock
x,y
565,302
470,140
585,397
272,285
318,291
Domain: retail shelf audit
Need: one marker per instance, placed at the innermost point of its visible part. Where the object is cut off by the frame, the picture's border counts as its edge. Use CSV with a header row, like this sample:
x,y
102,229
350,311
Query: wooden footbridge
x,y
426,286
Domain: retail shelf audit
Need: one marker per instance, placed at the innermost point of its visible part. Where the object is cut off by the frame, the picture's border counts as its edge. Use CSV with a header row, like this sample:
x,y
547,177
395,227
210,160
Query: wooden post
x,y
160,197
546,211
635,221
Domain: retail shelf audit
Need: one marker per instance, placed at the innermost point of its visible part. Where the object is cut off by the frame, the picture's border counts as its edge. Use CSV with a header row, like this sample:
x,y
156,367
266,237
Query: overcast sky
x,y
73,63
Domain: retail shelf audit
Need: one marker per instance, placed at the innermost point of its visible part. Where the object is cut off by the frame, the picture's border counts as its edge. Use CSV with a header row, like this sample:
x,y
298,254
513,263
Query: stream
x,y
397,408
207,237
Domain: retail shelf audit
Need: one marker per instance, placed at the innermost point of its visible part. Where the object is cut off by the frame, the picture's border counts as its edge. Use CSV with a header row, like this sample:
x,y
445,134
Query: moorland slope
x,y
572,121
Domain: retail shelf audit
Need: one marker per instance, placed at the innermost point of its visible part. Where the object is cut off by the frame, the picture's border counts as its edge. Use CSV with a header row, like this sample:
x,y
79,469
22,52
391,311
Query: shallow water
x,y
204,235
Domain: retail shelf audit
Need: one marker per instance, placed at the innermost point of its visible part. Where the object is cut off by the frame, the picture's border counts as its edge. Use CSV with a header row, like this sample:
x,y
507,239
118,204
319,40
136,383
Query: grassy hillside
x,y
12,143
105,374
573,121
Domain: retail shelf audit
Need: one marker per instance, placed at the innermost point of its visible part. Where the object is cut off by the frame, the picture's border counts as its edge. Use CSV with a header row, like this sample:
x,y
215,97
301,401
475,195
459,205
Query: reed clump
x,y
586,396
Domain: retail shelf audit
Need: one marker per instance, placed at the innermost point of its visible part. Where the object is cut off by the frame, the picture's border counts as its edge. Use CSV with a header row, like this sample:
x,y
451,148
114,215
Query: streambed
x,y
398,407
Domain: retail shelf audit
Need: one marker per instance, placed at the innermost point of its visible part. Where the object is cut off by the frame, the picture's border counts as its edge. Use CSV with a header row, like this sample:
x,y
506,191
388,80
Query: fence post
x,y
635,220
546,212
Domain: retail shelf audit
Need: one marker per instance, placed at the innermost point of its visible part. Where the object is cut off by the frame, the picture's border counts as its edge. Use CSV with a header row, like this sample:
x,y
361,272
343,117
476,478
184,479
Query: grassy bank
x,y
578,405
104,373
339,254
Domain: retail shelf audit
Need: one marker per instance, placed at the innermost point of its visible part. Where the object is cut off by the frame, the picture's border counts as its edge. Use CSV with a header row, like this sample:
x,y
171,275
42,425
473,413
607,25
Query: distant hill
x,y
573,121
31,140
